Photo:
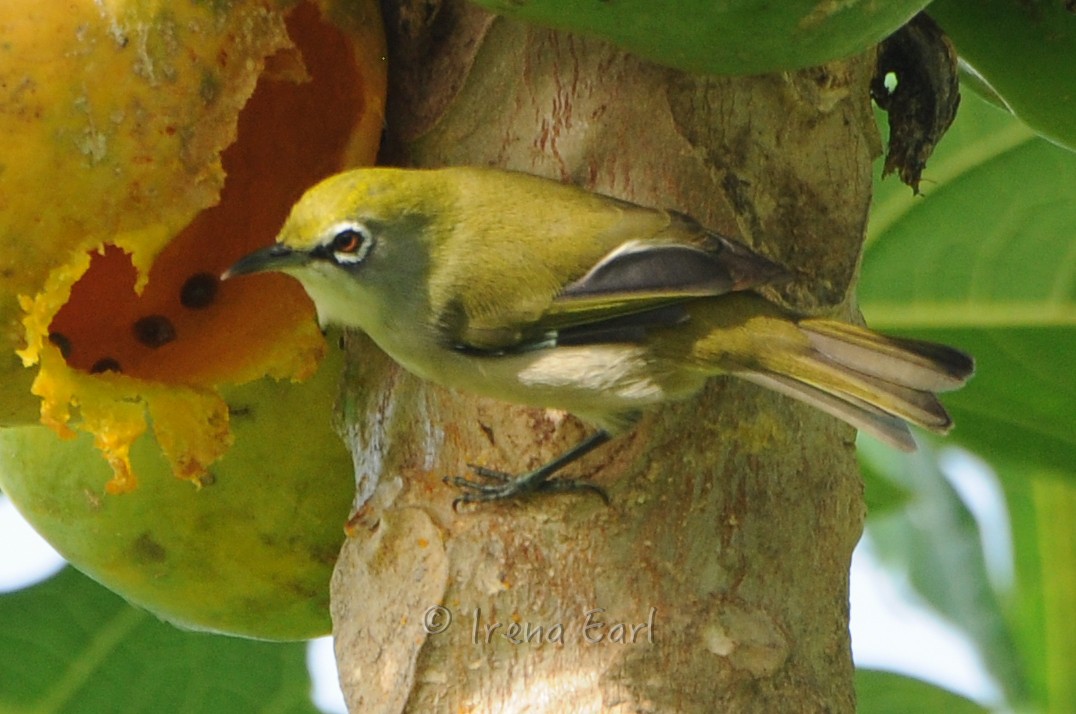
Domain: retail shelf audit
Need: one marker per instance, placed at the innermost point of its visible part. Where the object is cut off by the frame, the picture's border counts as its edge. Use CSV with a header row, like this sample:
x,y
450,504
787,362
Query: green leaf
x,y
986,261
935,541
888,693
68,645
1025,51
1042,612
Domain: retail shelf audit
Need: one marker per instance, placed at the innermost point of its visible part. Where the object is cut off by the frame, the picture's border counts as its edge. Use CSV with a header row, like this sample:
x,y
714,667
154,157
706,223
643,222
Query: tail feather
x,y
874,382
911,363
855,382
885,427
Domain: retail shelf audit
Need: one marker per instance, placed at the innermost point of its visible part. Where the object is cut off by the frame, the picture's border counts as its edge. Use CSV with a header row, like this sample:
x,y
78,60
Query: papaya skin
x,y
737,37
249,553
134,142
152,143
87,161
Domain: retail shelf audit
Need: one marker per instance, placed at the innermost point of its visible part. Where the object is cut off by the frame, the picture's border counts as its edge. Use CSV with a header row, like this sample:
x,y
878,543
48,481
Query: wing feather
x,y
611,271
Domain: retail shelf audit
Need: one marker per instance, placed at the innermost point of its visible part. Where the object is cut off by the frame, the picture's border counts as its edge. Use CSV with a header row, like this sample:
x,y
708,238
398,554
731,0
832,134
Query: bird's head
x,y
358,242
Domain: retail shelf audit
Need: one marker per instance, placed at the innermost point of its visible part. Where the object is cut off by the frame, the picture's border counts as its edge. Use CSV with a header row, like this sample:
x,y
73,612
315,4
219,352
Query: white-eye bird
x,y
535,292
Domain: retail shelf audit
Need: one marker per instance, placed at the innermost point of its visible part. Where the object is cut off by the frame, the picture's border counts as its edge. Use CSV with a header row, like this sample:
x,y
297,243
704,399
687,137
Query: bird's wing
x,y
638,285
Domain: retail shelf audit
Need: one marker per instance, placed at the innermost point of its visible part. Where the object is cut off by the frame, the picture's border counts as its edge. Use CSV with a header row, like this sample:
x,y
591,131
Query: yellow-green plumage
x,y
540,293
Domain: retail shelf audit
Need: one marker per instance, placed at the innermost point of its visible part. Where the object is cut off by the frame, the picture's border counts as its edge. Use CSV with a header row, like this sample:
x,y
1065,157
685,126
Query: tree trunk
x,y
717,580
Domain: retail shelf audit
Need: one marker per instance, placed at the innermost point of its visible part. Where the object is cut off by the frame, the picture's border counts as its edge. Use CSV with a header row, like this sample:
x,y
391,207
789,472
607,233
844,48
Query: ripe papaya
x,y
149,144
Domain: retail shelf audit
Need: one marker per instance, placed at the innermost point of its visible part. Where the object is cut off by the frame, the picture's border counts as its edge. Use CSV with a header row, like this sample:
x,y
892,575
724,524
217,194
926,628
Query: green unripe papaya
x,y
732,37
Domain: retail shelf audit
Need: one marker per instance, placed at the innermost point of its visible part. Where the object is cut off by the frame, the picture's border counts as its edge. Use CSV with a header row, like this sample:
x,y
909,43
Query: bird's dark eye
x,y
347,241
350,244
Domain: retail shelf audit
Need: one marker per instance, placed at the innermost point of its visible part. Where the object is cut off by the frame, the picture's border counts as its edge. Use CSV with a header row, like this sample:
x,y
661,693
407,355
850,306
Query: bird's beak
x,y
277,257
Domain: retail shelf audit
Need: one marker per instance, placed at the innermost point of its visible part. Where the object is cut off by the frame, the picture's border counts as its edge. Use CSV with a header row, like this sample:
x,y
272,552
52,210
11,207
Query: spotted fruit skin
x,y
113,133
250,553
736,37
148,142
131,129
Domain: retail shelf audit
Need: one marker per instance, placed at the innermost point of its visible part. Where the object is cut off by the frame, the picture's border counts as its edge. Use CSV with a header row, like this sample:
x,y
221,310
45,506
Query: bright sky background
x,y
891,627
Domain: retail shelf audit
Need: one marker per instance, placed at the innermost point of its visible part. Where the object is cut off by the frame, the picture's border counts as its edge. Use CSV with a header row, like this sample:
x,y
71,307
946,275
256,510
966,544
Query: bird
x,y
542,293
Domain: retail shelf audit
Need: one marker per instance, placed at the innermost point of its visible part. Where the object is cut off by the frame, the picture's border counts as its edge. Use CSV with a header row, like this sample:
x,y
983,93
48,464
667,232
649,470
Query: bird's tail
x,y
876,383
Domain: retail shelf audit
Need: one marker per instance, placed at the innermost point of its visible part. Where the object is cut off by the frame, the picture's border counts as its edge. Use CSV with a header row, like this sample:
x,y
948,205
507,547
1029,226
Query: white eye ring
x,y
350,244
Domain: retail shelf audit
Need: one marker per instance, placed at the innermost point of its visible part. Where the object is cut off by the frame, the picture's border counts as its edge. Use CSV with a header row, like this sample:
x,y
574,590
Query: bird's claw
x,y
484,473
494,485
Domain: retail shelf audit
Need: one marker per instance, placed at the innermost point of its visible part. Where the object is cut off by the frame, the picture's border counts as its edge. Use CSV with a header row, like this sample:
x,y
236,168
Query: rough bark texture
x,y
733,516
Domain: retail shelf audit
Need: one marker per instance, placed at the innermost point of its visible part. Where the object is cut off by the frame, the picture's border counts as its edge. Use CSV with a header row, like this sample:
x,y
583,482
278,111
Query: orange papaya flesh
x,y
118,341
148,144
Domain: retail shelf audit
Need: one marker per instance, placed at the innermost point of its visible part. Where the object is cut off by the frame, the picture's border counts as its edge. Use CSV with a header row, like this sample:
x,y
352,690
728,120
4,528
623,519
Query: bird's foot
x,y
493,485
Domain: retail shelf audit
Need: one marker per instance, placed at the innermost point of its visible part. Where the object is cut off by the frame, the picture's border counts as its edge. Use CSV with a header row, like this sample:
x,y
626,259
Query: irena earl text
x,y
591,627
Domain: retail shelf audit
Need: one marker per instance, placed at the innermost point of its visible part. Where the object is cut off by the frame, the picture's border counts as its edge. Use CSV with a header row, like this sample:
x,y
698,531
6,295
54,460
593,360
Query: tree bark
x,y
724,556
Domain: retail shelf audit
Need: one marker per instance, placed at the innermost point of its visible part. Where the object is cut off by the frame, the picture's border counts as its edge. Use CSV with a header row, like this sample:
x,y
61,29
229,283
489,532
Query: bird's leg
x,y
498,485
